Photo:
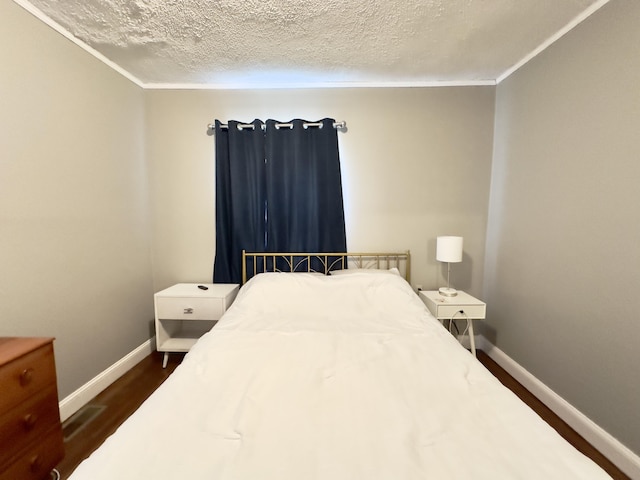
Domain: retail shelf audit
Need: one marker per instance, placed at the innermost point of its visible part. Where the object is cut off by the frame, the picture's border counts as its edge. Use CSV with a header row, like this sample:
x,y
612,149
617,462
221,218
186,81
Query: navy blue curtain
x,y
300,191
240,197
304,189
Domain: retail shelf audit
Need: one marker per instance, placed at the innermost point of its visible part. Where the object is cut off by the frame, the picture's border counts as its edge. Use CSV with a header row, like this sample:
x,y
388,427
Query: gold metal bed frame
x,y
259,262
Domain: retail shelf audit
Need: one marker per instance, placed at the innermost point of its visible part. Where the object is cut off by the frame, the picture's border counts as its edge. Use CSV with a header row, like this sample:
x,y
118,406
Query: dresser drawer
x,y
190,308
28,423
36,462
26,375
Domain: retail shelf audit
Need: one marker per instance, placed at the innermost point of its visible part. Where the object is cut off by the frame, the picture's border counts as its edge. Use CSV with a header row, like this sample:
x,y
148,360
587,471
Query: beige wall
x,y
563,246
415,162
74,228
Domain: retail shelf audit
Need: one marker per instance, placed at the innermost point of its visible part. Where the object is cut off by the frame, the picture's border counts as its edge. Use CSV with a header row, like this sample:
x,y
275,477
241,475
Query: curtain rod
x,y
339,125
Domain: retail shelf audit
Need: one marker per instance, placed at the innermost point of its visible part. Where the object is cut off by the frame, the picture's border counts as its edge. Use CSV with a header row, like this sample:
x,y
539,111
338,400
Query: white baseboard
x,y
78,399
610,447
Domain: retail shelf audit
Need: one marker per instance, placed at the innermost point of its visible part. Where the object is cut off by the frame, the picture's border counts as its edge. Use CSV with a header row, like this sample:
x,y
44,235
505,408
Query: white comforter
x,y
347,377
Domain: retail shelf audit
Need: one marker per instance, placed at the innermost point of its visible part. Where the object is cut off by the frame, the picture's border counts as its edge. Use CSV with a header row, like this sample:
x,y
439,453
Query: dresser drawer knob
x,y
29,421
188,310
26,377
35,463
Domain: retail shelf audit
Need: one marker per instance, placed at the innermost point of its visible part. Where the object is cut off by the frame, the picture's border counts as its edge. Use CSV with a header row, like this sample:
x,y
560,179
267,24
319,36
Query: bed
x,y
333,376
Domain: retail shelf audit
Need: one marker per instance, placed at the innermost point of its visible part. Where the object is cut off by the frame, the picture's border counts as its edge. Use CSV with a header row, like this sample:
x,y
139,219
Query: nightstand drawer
x,y
444,308
190,308
471,311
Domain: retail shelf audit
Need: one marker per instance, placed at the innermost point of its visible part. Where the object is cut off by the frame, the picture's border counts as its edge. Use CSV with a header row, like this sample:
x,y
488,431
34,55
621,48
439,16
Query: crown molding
x,y
66,34
553,38
273,86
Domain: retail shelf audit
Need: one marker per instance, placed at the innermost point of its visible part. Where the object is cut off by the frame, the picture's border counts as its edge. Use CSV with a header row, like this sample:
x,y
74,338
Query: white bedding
x,y
347,377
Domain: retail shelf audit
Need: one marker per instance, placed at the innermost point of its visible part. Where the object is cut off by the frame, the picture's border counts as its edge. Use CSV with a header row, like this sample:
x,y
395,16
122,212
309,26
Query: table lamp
x,y
448,249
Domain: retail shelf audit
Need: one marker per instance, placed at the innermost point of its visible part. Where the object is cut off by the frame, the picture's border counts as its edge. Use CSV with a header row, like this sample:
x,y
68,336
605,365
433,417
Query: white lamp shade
x,y
449,249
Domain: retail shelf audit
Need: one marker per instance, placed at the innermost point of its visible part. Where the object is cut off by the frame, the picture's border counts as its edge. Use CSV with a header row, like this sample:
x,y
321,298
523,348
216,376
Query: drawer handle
x,y
35,463
188,310
26,377
29,421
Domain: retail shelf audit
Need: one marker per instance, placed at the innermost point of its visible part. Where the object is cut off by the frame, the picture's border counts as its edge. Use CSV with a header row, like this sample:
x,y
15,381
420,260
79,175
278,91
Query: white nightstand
x,y
461,307
185,312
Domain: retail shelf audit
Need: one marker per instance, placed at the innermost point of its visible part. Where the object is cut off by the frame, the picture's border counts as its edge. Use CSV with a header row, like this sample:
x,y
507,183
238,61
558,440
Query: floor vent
x,y
80,419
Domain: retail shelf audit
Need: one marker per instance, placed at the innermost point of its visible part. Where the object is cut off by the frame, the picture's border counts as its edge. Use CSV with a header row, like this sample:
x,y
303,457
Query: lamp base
x,y
447,292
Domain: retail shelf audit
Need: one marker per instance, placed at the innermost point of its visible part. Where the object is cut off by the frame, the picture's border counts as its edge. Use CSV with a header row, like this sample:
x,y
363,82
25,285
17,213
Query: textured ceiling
x,y
228,43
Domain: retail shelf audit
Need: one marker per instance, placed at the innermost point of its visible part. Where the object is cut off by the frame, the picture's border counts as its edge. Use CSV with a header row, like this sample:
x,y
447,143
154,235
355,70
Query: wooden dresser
x,y
31,442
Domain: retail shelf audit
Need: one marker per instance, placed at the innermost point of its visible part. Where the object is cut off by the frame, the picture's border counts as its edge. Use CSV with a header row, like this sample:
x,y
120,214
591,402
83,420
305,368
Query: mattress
x,y
332,377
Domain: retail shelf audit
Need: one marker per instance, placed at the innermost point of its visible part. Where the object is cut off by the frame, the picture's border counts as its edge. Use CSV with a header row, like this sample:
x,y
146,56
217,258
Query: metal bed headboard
x,y
259,262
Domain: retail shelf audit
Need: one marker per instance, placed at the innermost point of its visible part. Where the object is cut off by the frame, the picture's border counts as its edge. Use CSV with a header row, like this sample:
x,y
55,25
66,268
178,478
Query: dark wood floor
x,y
123,397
